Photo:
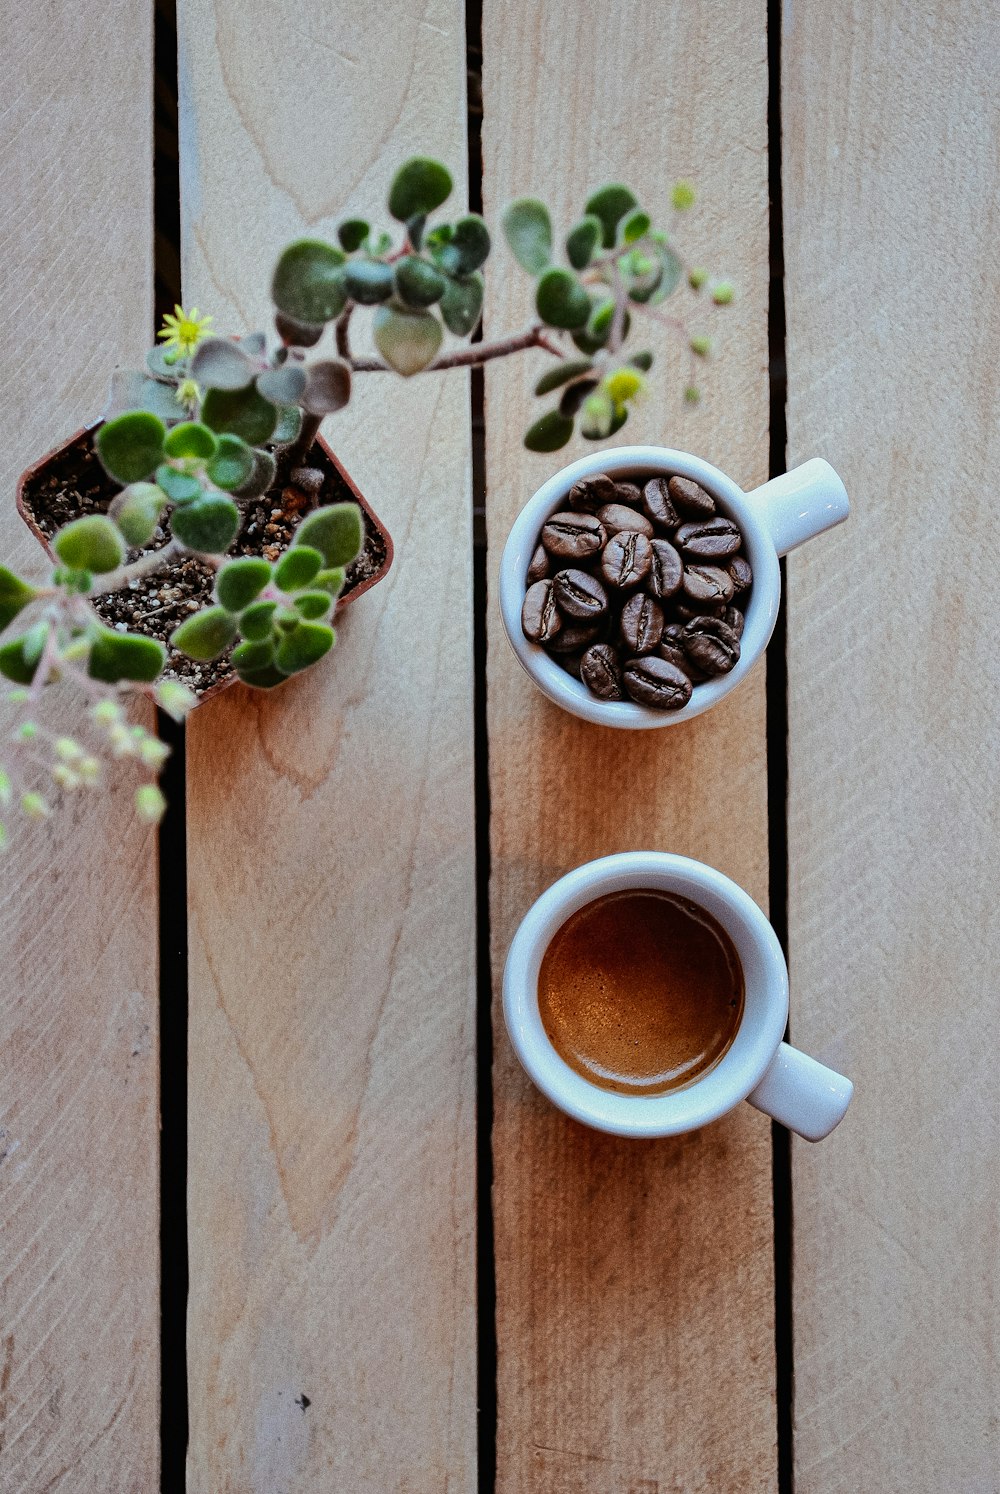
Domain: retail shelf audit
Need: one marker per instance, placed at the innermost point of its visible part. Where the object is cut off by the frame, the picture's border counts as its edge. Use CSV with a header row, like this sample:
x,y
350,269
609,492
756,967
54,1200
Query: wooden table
x,y
347,1216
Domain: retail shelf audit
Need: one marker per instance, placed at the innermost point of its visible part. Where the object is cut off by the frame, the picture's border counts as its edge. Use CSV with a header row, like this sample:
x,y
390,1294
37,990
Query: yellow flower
x,y
184,330
622,385
188,393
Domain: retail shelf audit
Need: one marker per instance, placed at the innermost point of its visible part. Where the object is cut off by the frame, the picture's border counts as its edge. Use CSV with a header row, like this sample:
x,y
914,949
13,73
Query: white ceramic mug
x,y
759,1066
785,512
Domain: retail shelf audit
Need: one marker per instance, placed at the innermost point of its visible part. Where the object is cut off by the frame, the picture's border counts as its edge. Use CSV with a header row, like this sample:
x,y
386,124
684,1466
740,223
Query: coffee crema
x,y
641,992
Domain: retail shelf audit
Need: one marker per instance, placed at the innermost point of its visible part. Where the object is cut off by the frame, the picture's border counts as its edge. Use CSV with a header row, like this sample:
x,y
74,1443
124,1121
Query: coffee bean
x,y
666,570
690,498
733,618
626,559
672,649
540,566
573,536
601,671
618,516
627,493
539,615
580,595
654,682
569,662
708,539
591,493
707,585
711,645
575,637
657,503
739,569
687,610
641,624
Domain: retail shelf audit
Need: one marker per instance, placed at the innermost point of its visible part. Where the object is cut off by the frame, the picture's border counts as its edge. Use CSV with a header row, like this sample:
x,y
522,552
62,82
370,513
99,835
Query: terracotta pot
x,y
377,537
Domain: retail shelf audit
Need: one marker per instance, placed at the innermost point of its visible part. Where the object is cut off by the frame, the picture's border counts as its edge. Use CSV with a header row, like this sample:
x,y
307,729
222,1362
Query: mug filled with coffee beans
x,y
646,995
638,586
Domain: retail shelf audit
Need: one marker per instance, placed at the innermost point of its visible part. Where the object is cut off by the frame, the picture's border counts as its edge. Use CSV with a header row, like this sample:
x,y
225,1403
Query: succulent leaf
x,y
528,227
299,566
407,340
297,334
417,282
240,412
180,487
288,427
610,204
672,270
368,281
581,241
302,646
250,656
136,510
462,304
241,581
282,386
265,469
209,524
313,604
352,234
419,186
191,440
635,226
308,286
561,300
332,580
92,543
574,395
256,620
131,445
328,387
643,361
125,656
232,465
18,662
219,363
15,595
262,679
549,432
337,532
467,248
206,635
567,369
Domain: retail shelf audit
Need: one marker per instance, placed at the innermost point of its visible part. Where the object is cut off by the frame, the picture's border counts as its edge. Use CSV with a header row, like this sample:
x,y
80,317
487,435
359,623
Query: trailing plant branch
x,y
480,352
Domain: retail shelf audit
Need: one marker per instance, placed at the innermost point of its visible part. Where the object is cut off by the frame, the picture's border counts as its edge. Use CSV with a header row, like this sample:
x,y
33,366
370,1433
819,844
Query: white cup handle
x,y
801,503
803,1095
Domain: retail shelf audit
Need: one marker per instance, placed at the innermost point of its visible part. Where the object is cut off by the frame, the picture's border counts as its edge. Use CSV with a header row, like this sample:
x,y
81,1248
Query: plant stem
x,y
477,353
305,438
118,580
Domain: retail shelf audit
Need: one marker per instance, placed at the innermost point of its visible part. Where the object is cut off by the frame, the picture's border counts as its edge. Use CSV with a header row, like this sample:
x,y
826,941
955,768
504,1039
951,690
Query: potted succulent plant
x,y
202,532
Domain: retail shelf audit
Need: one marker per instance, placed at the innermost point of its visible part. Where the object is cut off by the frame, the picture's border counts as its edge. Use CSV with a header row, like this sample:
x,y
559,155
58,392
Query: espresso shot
x,y
641,992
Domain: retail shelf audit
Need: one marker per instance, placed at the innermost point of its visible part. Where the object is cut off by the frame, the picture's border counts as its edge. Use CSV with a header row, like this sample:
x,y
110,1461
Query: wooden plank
x,y
79,1309
332,1152
890,226
634,1281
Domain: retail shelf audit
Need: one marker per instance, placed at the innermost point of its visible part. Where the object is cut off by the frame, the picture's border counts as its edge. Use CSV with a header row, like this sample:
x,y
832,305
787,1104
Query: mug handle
x,y
801,503
803,1095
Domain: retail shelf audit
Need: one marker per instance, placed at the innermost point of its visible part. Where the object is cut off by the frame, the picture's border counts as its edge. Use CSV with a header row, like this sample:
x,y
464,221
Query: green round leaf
x,y
288,427
232,464
597,417
125,656
417,282
368,281
419,186
462,304
131,445
643,361
265,469
313,604
564,371
18,660
528,227
241,581
407,340
574,395
162,362
352,233
190,440
468,247
670,276
581,241
161,400
723,293
220,364
180,487
561,300
332,580
298,567
15,595
302,646
635,226
337,532
328,387
92,544
240,412
208,524
137,510
206,635
298,334
249,656
307,285
262,679
282,386
610,204
549,432
255,622
682,196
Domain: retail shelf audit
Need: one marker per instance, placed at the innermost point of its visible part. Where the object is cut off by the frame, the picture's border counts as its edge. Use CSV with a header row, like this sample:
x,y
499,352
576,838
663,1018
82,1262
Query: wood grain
x,y
891,190
79,1309
331,837
634,1281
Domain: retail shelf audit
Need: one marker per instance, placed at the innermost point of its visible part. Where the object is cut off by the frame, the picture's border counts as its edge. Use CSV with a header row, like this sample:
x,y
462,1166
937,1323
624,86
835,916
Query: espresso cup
x,y
759,1066
773,519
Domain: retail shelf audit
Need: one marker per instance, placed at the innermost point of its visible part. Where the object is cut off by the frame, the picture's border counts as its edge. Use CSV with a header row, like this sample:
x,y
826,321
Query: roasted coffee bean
x,y
540,566
618,516
580,595
658,504
654,682
739,569
569,662
711,645
539,614
708,539
690,498
686,610
733,618
641,624
707,585
628,493
574,637
666,570
573,536
591,493
626,559
672,649
601,671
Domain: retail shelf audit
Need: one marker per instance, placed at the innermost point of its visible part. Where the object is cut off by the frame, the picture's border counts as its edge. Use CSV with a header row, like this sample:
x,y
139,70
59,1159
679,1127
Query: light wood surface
x,y
891,185
79,1315
634,1280
331,838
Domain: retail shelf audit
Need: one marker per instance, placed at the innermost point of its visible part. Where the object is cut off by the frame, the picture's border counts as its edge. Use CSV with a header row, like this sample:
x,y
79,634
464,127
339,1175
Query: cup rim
x,y
761,615
761,1028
